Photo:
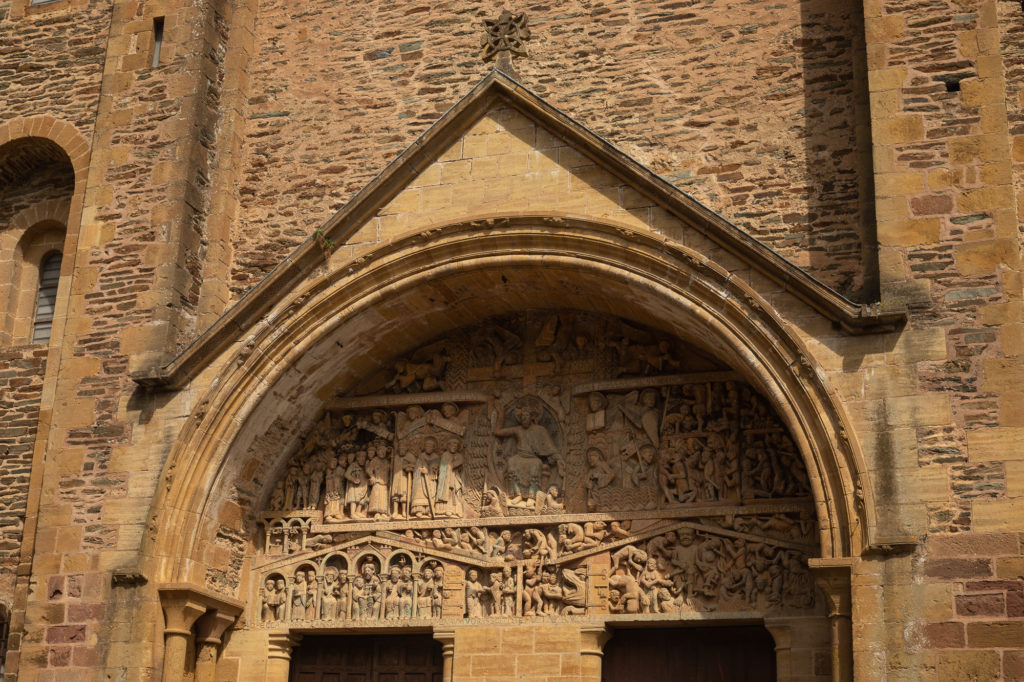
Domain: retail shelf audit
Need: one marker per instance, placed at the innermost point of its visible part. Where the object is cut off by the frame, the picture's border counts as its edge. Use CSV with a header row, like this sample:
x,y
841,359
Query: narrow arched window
x,y
49,277
5,628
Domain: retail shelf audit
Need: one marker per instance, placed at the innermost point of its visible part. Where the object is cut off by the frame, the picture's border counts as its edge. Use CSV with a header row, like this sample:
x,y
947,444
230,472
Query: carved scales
x,y
543,464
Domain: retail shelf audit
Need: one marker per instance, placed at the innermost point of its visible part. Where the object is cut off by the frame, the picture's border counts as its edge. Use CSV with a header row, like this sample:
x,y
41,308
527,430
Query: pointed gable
x,y
503,152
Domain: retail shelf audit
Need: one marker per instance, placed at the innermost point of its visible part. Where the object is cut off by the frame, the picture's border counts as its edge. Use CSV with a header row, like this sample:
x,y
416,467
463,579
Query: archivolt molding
x,y
688,288
64,134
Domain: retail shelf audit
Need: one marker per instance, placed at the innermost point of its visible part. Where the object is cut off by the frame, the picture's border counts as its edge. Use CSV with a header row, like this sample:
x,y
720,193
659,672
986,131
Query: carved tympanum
x,y
542,464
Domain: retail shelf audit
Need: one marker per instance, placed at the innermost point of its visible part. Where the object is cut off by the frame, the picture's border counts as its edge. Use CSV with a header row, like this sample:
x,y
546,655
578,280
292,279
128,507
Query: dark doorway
x,y
725,654
358,658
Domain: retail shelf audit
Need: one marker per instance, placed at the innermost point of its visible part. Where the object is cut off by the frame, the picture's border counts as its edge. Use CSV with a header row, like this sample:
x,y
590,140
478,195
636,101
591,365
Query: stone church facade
x,y
438,341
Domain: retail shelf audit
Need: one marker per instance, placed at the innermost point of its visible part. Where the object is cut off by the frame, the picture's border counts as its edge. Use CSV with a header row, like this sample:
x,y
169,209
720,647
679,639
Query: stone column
x,y
279,655
209,630
592,641
833,577
447,640
180,612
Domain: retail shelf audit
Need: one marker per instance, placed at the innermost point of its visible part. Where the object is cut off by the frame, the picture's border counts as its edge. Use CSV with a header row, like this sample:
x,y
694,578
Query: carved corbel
x,y
183,605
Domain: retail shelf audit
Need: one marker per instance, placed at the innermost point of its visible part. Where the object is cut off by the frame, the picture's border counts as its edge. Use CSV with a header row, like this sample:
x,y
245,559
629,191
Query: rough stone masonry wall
x,y
50,63
948,234
51,60
750,106
22,367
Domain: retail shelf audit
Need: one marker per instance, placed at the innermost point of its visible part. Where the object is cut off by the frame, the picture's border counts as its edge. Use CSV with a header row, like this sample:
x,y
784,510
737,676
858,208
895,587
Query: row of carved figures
x,y
285,536
356,480
366,595
684,570
402,593
680,570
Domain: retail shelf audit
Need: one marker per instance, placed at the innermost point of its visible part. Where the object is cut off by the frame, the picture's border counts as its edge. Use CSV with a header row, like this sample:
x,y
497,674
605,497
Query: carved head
x,y
472,575
395,574
347,419
406,572
594,457
449,410
647,453
553,491
369,570
649,397
414,412
687,536
269,585
506,535
279,584
429,445
453,445
439,574
652,564
361,457
597,401
343,576
427,572
379,416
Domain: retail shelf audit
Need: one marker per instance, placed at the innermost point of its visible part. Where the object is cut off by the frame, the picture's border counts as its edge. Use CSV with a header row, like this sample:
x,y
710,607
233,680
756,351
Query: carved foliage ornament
x,y
542,464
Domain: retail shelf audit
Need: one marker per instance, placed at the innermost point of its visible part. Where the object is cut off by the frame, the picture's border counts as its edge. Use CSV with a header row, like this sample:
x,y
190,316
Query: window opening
x,y
158,40
49,278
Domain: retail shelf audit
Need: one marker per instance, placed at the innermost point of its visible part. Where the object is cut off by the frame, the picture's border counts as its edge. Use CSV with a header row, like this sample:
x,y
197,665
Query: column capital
x,y
212,625
280,644
833,579
180,613
593,638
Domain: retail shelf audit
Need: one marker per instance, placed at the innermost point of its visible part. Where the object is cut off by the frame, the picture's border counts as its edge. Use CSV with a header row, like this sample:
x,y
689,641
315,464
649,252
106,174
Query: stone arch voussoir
x,y
684,290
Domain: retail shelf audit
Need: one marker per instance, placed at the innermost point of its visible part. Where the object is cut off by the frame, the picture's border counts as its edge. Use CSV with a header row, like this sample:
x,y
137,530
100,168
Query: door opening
x,y
363,658
713,654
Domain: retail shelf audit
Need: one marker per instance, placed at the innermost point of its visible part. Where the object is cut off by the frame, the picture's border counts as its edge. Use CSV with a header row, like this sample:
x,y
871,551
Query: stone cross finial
x,y
504,37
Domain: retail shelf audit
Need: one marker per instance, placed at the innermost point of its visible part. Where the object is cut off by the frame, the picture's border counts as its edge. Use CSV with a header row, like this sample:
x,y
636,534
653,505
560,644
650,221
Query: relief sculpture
x,y
540,465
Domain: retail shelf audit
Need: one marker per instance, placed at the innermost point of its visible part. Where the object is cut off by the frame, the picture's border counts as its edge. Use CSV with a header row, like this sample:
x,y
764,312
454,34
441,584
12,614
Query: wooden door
x,y
342,658
724,654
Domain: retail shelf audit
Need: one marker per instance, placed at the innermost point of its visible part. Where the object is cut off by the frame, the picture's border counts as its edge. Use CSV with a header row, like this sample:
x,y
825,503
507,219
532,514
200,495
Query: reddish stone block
x,y
81,613
55,587
981,604
60,657
59,634
944,635
84,656
936,204
951,569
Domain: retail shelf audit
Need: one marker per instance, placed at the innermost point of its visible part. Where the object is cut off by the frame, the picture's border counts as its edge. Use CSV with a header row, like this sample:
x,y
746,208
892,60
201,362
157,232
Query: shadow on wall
x,y
841,241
